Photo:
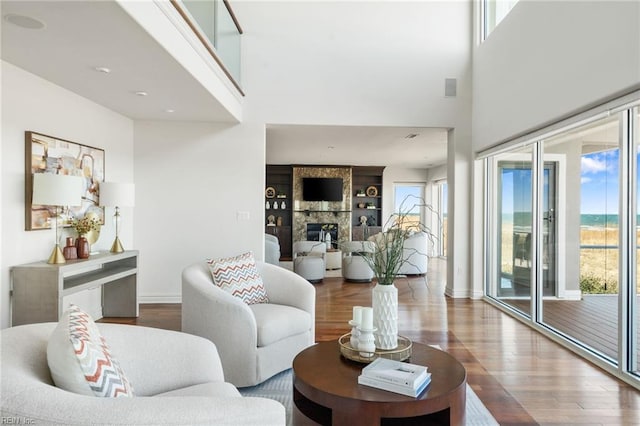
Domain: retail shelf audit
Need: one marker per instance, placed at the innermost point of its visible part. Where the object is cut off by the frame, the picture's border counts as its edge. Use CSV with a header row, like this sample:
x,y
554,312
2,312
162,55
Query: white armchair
x,y
256,341
354,267
176,378
309,260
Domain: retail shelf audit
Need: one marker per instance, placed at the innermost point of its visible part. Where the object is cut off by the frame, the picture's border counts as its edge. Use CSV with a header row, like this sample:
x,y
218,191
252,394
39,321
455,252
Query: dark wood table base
x,y
326,390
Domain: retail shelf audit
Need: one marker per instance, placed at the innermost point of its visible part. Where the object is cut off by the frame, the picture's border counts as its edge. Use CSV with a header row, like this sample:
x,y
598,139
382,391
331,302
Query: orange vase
x,y
70,251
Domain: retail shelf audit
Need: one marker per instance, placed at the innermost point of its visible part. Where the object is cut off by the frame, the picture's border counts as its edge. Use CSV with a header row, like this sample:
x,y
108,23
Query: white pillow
x,y
239,276
79,359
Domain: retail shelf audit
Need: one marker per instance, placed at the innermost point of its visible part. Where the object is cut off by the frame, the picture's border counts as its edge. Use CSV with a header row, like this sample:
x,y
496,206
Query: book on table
x,y
394,387
395,376
397,372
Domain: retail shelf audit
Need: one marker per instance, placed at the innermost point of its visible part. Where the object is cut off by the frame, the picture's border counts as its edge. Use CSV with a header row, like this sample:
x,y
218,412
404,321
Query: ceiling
x,y
412,147
79,37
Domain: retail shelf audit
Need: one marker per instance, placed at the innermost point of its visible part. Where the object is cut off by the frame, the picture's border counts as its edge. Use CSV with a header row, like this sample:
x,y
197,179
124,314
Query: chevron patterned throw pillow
x,y
80,361
239,276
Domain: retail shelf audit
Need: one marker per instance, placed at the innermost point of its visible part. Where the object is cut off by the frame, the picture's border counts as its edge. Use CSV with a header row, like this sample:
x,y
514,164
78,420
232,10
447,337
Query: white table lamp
x,y
113,194
56,190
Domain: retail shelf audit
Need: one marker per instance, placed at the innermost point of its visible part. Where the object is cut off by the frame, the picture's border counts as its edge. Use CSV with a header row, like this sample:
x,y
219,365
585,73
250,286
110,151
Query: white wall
x,y
192,180
437,173
333,63
355,63
548,58
31,103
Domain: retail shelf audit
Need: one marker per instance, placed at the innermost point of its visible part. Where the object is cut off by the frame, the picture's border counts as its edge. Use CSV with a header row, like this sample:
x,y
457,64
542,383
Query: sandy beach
x,y
597,262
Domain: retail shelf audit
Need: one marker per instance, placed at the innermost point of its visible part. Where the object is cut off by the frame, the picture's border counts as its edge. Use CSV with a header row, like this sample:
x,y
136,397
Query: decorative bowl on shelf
x,y
401,353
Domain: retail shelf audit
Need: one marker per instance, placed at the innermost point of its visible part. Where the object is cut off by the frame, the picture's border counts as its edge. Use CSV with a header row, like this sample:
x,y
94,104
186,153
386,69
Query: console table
x,y
38,289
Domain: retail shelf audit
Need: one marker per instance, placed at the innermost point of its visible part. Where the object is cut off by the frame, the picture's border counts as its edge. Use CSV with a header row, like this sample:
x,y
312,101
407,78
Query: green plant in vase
x,y
386,260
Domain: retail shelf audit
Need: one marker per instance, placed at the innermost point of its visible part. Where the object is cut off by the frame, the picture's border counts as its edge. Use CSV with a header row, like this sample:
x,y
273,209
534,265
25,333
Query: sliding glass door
x,y
562,235
634,271
511,269
585,308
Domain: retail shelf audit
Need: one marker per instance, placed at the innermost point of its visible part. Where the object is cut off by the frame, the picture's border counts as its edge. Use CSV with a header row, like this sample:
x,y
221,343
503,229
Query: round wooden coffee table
x,y
326,389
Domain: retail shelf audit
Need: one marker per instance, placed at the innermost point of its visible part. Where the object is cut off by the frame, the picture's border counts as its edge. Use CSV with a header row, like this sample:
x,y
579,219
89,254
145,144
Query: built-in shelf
x,y
369,181
279,178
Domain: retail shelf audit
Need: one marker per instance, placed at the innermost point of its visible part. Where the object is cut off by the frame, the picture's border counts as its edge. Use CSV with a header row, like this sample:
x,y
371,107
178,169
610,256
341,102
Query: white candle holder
x,y
355,333
366,342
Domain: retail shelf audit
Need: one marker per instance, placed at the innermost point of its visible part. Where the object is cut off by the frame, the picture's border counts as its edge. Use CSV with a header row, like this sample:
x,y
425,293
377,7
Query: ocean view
x,y
586,220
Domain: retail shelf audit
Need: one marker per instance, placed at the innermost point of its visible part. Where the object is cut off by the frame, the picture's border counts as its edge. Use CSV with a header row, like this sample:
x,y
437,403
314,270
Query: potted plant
x,y
385,261
82,226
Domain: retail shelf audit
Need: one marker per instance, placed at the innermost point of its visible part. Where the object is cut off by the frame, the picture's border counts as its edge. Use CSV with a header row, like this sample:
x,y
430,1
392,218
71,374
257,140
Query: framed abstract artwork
x,y
48,154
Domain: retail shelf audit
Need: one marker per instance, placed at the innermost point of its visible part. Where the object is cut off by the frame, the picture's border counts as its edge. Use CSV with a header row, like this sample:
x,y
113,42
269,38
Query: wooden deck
x,y
592,320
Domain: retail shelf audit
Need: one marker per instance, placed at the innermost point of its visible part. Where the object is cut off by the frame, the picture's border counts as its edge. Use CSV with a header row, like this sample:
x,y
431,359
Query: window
x,y
409,200
494,12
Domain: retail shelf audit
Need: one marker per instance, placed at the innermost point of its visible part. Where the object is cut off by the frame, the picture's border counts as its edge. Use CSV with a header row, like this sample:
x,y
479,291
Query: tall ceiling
x,y
78,37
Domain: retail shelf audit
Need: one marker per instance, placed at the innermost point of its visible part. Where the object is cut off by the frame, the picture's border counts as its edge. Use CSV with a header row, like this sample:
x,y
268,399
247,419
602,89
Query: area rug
x,y
280,388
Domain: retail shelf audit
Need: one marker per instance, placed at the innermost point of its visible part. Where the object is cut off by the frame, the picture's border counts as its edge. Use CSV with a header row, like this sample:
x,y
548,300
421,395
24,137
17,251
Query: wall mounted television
x,y
322,189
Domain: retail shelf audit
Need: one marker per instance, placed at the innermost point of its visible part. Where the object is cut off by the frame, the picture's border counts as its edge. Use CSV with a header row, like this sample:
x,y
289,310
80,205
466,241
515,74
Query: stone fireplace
x,y
314,231
317,213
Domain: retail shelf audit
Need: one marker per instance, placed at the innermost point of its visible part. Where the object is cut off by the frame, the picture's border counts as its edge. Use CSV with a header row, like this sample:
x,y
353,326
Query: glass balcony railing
x,y
216,26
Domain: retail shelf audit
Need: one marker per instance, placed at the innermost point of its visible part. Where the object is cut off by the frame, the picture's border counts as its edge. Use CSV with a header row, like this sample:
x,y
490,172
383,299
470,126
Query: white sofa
x,y
255,341
177,379
415,250
414,254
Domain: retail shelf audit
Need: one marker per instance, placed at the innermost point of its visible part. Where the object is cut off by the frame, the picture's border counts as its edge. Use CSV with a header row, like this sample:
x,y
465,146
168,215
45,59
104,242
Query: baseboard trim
x,y
160,299
460,294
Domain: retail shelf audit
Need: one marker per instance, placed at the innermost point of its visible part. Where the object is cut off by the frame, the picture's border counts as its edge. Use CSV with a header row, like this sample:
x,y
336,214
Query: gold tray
x,y
401,353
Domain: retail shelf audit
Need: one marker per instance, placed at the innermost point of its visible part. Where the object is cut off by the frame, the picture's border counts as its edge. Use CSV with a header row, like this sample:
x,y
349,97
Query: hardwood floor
x,y
521,376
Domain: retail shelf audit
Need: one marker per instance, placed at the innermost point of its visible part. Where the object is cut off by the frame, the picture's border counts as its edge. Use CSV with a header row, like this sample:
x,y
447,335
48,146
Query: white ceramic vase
x,y
385,316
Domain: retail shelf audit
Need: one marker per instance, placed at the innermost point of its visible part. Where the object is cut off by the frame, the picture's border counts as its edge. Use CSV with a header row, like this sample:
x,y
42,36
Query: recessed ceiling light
x,y
24,21
169,110
103,70
141,93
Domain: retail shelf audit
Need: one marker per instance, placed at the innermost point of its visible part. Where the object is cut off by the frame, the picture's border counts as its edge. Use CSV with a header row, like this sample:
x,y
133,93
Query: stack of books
x,y
395,376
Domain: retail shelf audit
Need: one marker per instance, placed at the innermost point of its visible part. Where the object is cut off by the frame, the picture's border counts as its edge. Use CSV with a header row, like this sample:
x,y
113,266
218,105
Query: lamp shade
x,y
116,194
56,190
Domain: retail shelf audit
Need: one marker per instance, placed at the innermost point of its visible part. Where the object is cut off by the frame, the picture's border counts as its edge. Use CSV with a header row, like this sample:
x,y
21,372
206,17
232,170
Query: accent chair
x,y
254,341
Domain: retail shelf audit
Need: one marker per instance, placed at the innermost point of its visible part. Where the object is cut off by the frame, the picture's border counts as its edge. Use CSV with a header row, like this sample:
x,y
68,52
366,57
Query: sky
x,y
415,194
598,190
599,182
